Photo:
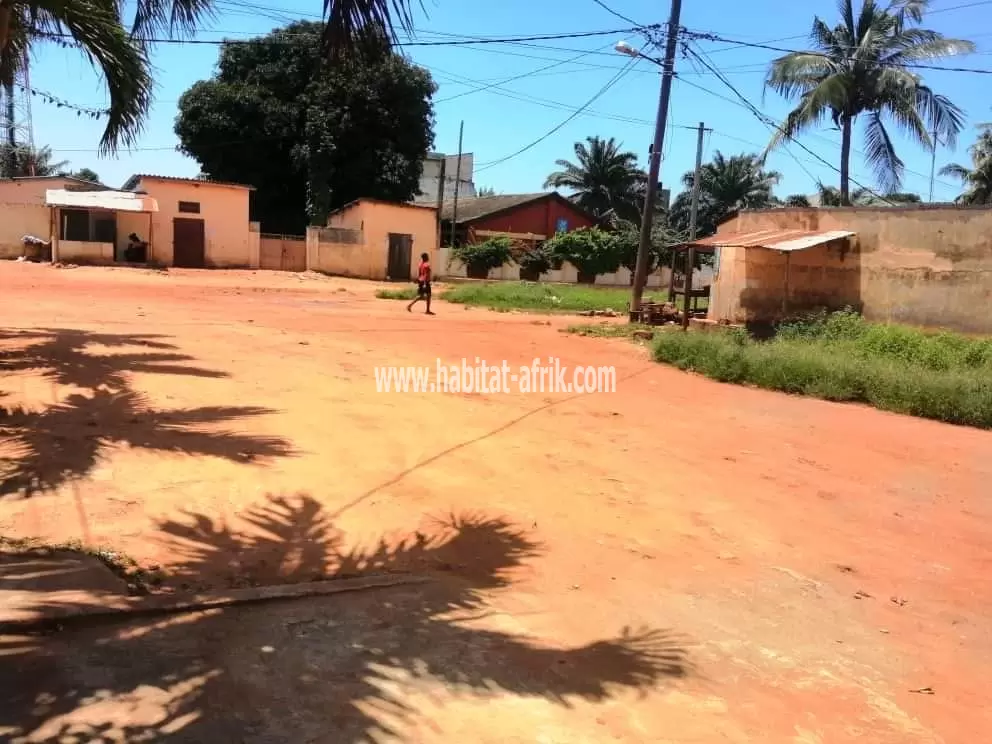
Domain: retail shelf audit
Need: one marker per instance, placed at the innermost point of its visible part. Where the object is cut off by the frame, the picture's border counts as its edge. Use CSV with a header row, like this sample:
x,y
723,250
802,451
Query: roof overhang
x,y
773,240
116,201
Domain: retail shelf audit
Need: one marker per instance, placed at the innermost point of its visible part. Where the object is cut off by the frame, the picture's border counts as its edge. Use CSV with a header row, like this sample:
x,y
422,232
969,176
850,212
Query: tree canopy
x,y
604,180
310,136
864,66
978,178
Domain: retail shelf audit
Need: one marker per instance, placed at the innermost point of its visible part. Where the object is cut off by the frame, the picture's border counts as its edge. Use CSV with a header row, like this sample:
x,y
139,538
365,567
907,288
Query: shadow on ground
x,y
44,449
352,668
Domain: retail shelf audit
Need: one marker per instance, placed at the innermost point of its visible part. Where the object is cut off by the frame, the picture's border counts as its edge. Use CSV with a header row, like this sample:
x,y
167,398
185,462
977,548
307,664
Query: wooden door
x,y
188,243
398,263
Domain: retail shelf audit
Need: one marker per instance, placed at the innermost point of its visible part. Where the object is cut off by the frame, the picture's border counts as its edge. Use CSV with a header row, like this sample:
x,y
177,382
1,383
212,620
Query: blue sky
x,y
500,121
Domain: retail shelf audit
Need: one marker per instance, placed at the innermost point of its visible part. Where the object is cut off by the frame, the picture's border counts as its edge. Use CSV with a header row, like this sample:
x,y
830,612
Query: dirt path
x,y
813,562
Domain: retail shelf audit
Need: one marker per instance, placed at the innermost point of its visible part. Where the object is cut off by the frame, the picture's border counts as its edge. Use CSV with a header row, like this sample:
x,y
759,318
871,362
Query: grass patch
x,y
942,376
611,330
407,293
540,297
139,580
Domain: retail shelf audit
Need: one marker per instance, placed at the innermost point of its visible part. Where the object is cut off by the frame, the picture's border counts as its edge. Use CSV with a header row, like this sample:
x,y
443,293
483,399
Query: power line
x,y
610,83
705,36
610,10
404,44
770,122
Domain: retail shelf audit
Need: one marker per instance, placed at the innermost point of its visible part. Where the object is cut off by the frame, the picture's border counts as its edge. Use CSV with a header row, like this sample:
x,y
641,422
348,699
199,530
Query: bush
x,y
533,261
479,258
841,357
590,250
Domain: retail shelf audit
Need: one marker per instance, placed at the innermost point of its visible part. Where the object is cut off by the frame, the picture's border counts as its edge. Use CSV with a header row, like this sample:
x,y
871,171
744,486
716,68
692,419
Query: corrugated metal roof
x,y
118,201
479,206
775,240
133,181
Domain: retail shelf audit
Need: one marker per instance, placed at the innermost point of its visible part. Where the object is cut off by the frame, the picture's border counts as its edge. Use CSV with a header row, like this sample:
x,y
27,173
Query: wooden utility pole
x,y
458,183
933,162
654,169
690,256
440,198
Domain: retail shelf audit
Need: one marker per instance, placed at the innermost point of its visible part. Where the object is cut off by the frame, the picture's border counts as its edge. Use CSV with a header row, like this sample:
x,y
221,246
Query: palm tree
x,y
20,162
354,22
605,180
98,28
725,185
978,178
864,66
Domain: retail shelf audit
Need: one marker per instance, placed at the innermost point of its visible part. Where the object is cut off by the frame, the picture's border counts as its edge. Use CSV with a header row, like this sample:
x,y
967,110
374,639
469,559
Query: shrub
x,y
479,258
841,357
533,261
590,250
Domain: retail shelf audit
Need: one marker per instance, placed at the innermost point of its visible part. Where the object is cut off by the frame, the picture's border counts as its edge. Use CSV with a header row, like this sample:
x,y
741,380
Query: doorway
x,y
188,243
400,253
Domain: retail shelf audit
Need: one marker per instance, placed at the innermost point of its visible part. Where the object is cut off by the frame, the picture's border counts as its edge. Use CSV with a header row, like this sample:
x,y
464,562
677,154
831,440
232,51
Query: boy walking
x,y
423,284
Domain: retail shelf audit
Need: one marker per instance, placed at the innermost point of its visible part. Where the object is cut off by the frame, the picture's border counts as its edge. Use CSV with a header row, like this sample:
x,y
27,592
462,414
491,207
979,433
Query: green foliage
x,y
867,66
22,161
533,258
605,180
726,184
540,296
85,174
310,136
841,357
406,293
484,256
977,180
590,250
628,236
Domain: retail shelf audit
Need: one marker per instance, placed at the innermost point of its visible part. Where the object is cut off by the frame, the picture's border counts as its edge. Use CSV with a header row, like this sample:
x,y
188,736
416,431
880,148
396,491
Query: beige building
x,y
23,210
926,265
198,224
373,239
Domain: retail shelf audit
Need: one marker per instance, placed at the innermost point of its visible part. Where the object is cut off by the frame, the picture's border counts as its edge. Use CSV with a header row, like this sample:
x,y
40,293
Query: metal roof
x,y
117,201
775,240
133,181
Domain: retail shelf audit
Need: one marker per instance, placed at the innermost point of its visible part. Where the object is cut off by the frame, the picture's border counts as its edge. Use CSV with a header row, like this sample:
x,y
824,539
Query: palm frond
x,y
354,24
881,153
955,170
172,18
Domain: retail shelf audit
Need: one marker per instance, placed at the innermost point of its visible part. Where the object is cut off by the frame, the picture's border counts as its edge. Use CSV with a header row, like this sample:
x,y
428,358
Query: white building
x,y
454,179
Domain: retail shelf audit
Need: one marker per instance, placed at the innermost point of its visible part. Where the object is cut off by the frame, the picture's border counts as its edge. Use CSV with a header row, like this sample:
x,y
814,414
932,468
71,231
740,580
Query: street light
x,y
624,48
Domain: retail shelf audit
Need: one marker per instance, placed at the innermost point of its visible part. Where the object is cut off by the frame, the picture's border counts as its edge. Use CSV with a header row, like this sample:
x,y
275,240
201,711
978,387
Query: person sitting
x,y
137,249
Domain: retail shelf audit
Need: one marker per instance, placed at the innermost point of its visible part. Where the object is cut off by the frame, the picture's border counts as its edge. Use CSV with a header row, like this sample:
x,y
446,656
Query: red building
x,y
537,216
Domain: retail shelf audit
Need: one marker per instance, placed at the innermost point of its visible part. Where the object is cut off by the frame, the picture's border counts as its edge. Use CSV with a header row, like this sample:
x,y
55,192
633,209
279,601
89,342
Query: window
x,y
75,225
189,207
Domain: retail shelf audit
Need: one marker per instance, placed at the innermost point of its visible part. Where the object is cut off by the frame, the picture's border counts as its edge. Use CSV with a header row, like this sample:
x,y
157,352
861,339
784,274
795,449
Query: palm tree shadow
x,y
66,441
342,667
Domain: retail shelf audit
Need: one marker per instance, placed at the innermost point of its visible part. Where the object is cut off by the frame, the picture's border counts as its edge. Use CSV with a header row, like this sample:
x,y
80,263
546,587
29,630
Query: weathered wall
x,y
229,241
375,220
74,251
23,212
928,266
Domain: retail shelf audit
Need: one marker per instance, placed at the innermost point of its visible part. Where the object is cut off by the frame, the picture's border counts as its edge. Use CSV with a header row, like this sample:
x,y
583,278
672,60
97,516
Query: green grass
x,y
540,297
841,357
611,330
407,293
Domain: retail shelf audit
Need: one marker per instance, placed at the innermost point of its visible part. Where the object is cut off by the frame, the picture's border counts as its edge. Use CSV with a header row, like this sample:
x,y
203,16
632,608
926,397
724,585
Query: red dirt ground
x,y
821,561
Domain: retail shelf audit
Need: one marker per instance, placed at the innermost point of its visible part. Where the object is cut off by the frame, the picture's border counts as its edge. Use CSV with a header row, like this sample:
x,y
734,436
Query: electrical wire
x,y
610,10
609,84
771,123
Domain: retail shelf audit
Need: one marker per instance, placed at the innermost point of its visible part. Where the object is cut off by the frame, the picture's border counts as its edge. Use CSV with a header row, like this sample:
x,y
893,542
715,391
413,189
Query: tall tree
x,y
309,136
725,185
604,180
864,66
21,162
978,178
117,48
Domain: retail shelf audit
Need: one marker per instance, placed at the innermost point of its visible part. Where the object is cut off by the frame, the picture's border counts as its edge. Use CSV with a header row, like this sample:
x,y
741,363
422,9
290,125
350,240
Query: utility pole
x,y
690,257
644,246
440,198
933,162
458,183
